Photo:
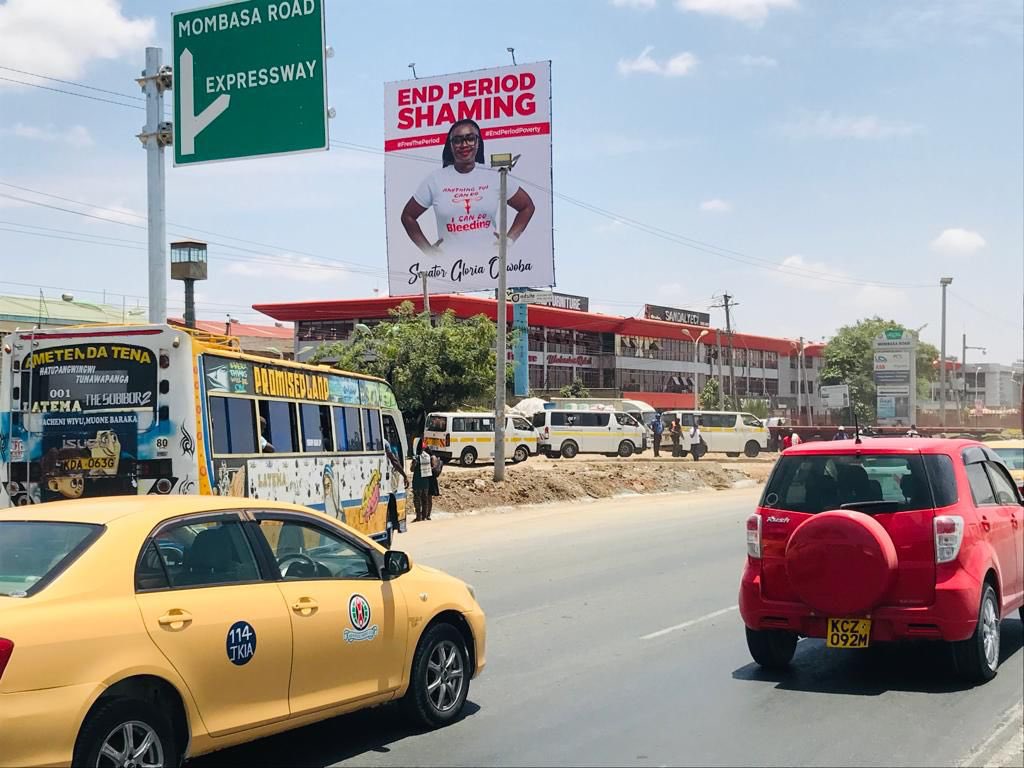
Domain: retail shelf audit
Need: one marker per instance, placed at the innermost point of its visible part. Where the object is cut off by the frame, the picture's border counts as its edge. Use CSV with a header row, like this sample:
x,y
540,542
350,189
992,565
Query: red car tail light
x,y
6,649
754,536
949,534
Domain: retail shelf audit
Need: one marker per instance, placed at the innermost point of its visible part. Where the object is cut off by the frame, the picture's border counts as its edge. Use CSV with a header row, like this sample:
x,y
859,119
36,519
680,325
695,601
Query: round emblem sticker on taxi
x,y
359,615
241,643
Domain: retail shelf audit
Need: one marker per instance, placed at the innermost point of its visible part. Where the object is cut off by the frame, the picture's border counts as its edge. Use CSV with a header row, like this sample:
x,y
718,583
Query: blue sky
x,y
875,144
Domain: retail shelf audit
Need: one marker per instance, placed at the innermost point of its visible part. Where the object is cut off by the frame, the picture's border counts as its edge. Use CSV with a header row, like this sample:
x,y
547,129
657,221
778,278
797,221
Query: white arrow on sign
x,y
191,123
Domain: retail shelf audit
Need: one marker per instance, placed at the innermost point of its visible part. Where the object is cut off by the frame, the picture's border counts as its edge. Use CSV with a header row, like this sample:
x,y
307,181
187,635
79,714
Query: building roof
x,y
33,309
247,330
540,315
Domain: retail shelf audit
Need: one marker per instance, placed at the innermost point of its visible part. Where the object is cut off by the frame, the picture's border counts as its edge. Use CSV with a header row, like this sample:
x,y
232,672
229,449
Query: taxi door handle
x,y
306,606
175,619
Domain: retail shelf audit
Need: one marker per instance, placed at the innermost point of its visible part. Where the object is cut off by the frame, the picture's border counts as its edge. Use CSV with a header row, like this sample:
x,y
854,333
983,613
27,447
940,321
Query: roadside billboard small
x,y
440,192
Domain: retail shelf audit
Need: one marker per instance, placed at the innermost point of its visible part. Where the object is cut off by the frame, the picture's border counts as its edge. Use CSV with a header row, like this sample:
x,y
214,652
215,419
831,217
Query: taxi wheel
x,y
440,677
977,657
625,449
468,457
126,732
771,648
751,449
522,453
570,449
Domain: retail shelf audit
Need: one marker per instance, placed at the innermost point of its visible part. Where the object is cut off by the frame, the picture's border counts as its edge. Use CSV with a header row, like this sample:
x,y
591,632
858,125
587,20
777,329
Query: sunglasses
x,y
468,139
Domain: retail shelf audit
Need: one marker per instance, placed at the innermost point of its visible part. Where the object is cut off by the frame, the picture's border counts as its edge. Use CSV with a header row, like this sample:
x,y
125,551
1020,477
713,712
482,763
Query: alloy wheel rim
x,y
990,633
133,744
445,676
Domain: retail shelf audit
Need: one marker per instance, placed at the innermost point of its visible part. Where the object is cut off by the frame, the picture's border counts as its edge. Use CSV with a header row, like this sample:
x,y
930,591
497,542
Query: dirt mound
x,y
540,481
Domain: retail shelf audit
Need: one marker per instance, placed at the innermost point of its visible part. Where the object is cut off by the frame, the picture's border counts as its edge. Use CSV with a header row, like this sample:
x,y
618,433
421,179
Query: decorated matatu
x,y
114,410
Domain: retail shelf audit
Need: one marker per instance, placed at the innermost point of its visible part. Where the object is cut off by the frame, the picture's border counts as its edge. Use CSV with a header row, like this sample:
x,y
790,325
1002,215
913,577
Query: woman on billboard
x,y
464,196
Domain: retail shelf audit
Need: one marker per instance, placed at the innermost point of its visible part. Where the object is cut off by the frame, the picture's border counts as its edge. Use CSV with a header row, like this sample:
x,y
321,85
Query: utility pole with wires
x,y
727,304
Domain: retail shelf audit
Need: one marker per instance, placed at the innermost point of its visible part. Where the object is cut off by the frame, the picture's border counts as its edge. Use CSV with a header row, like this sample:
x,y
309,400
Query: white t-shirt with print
x,y
466,208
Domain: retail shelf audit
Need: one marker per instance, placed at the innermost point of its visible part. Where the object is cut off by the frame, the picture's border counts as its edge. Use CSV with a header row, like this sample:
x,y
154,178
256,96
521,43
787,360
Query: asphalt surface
x,y
614,640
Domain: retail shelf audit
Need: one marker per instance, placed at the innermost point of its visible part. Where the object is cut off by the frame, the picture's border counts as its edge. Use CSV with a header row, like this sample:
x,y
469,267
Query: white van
x,y
728,432
469,437
569,432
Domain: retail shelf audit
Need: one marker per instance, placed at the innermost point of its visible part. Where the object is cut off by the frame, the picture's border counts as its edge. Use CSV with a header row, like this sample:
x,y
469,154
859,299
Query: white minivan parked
x,y
469,437
728,432
565,433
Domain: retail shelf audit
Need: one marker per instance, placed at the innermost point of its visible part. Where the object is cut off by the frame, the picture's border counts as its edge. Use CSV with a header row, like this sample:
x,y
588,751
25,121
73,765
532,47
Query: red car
x,y
883,540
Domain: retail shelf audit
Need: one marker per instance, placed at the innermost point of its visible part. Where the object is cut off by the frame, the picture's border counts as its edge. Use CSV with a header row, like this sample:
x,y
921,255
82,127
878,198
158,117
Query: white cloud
x,y
750,11
678,66
288,267
826,125
764,62
716,205
878,300
818,276
643,5
75,136
61,37
958,241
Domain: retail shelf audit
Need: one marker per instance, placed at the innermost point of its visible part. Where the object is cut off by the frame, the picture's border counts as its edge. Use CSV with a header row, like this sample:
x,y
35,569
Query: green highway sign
x,y
894,334
249,80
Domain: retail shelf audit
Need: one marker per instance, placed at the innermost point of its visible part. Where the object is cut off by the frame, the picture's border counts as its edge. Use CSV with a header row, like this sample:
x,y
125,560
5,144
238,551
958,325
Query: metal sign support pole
x,y
499,373
155,136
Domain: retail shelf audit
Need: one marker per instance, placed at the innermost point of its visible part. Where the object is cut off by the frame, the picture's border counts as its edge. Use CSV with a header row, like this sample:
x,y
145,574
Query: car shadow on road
x,y
919,667
327,742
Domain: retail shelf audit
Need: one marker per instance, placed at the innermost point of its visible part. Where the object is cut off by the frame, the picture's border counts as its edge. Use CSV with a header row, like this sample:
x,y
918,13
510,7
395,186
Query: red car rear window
x,y
814,483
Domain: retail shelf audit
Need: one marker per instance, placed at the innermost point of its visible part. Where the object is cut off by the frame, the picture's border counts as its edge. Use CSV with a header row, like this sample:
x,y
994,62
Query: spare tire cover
x,y
841,562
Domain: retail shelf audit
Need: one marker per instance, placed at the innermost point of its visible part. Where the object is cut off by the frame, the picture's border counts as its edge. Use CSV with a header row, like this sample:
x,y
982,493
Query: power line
x,y
71,93
72,82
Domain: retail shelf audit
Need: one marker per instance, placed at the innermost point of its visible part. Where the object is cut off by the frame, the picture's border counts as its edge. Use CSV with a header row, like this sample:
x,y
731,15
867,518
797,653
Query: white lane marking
x,y
690,623
1011,718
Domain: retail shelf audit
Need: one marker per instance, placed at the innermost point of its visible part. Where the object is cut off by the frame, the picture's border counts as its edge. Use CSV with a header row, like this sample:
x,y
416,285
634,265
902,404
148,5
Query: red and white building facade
x,y
663,363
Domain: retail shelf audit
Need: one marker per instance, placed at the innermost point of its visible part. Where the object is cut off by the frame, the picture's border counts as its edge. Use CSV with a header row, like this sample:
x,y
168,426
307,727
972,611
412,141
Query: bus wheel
x,y
521,454
468,457
570,449
625,449
751,449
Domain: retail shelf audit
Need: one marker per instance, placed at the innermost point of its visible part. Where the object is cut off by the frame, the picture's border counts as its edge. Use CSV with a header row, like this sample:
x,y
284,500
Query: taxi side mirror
x,y
395,564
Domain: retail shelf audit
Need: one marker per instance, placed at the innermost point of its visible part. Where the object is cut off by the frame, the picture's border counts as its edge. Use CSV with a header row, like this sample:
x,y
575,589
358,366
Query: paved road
x,y
615,640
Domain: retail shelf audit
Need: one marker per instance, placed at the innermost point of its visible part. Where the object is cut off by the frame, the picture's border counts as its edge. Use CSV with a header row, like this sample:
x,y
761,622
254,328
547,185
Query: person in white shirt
x,y
464,196
697,445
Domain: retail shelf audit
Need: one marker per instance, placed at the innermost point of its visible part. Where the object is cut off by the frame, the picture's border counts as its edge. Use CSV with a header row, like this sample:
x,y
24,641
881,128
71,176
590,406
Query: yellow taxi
x,y
138,631
1012,454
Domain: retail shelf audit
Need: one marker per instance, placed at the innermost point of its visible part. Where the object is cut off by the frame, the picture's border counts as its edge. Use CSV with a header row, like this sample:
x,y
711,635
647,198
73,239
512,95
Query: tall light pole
x,y
944,282
963,367
504,162
696,363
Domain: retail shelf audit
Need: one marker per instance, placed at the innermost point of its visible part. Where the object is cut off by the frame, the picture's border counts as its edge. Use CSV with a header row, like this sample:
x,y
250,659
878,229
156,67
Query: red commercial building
x,y
663,363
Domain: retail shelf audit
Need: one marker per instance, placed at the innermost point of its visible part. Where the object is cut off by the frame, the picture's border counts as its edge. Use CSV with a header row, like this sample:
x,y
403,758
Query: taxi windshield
x,y
33,553
1014,457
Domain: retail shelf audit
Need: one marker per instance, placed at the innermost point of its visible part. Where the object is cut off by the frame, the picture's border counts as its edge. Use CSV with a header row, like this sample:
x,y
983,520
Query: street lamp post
x,y
504,162
963,367
696,361
944,282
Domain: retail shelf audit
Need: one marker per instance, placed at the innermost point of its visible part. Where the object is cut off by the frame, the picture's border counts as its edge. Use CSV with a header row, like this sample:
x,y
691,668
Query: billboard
x,y
548,299
673,315
441,196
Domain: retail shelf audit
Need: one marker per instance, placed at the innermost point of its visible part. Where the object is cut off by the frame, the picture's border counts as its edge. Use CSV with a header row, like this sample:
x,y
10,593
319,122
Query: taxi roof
x,y
882,445
106,509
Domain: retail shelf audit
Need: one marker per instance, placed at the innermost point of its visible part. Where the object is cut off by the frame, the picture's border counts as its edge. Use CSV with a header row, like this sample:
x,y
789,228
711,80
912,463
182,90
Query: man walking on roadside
x,y
657,428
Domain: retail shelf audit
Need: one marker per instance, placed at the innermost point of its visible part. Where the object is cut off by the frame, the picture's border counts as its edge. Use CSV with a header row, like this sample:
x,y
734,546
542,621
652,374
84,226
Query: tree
x,y
755,407
430,367
849,359
576,389
708,400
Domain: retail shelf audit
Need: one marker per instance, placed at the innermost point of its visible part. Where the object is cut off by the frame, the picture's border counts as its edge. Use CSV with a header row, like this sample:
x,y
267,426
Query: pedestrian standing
x,y
787,441
657,428
794,438
675,431
422,475
697,445
436,465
